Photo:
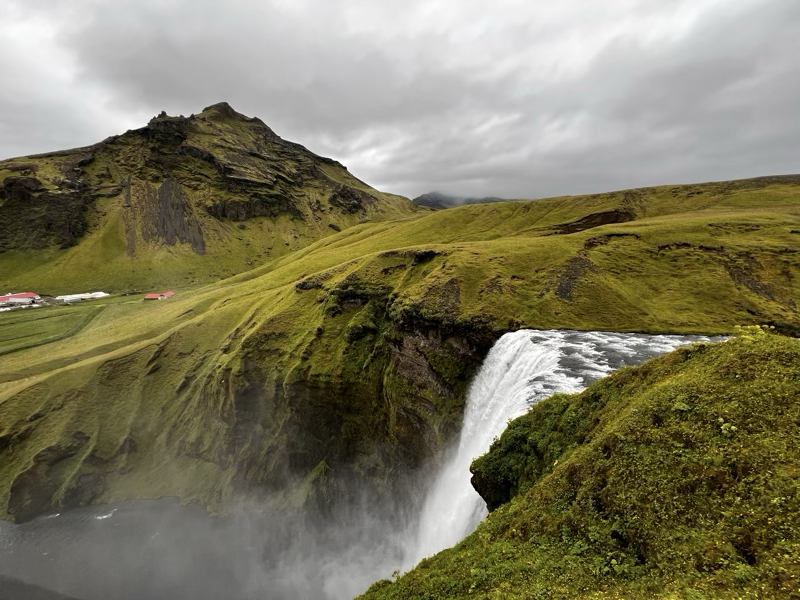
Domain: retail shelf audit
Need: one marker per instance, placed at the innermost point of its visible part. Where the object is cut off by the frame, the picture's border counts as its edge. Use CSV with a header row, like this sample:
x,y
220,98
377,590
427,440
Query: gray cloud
x,y
523,99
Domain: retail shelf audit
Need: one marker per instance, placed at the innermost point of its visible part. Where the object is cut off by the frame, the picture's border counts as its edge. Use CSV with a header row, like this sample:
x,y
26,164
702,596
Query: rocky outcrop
x,y
33,216
350,200
166,216
608,217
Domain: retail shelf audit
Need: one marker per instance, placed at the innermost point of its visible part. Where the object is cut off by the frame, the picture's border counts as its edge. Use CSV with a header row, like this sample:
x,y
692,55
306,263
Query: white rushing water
x,y
522,368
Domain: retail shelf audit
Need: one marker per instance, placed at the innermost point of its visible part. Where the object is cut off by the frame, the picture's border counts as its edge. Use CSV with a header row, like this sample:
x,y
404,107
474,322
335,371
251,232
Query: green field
x,y
21,330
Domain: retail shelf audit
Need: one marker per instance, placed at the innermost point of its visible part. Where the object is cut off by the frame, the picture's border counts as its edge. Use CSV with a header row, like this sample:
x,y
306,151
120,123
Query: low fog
x,y
160,549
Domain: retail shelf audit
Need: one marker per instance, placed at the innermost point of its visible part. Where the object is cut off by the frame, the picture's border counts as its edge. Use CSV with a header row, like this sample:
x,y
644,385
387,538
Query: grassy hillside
x,y
676,479
350,357
180,202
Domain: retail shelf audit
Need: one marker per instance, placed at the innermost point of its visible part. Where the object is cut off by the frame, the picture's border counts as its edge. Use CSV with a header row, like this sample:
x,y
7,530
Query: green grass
x,y
21,330
362,342
676,479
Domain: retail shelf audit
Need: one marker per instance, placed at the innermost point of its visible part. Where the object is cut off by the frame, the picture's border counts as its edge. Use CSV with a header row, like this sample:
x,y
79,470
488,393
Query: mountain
x,y
343,366
181,201
439,201
675,479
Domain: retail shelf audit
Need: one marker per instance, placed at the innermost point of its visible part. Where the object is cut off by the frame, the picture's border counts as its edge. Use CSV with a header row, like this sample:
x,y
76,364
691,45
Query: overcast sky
x,y
513,98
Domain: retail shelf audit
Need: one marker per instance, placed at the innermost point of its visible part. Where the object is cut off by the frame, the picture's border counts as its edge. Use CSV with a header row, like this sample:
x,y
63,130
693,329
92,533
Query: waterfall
x,y
522,368
160,549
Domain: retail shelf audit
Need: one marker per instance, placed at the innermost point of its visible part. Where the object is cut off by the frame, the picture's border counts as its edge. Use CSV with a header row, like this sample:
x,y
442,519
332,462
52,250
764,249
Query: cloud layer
x,y
521,99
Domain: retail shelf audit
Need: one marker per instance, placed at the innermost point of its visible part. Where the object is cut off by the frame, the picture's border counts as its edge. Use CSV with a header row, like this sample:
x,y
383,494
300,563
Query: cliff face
x,y
312,395
34,216
185,184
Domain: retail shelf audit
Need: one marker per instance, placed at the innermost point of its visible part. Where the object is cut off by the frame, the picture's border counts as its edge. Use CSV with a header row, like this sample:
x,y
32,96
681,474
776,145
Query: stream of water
x,y
522,368
159,549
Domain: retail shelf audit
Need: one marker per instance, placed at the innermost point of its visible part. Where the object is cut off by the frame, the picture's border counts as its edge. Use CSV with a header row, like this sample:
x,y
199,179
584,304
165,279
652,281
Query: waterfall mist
x,y
160,549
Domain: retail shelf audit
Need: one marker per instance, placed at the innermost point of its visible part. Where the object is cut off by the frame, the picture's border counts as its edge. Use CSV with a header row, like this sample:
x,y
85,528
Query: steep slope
x,y
347,361
676,479
183,200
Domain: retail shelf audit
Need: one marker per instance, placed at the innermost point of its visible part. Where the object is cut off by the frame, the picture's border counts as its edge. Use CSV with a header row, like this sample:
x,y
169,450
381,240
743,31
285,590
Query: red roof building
x,y
20,296
161,296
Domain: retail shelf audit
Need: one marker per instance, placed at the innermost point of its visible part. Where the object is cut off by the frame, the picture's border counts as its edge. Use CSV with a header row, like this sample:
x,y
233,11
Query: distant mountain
x,y
439,201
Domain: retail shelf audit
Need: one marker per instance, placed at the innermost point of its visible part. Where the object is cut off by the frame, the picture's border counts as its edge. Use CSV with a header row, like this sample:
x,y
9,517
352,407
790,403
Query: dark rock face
x,y
350,200
255,206
608,217
31,492
169,218
32,217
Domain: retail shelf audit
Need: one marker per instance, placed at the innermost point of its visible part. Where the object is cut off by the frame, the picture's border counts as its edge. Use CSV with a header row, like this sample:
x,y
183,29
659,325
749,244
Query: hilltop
x,y
675,479
181,201
344,364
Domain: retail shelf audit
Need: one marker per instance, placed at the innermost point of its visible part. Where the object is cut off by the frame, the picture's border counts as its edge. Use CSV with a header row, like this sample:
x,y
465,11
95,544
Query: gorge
x,y
150,548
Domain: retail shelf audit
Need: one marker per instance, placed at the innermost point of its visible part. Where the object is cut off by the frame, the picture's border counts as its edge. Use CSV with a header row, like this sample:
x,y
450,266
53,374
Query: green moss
x,y
674,479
